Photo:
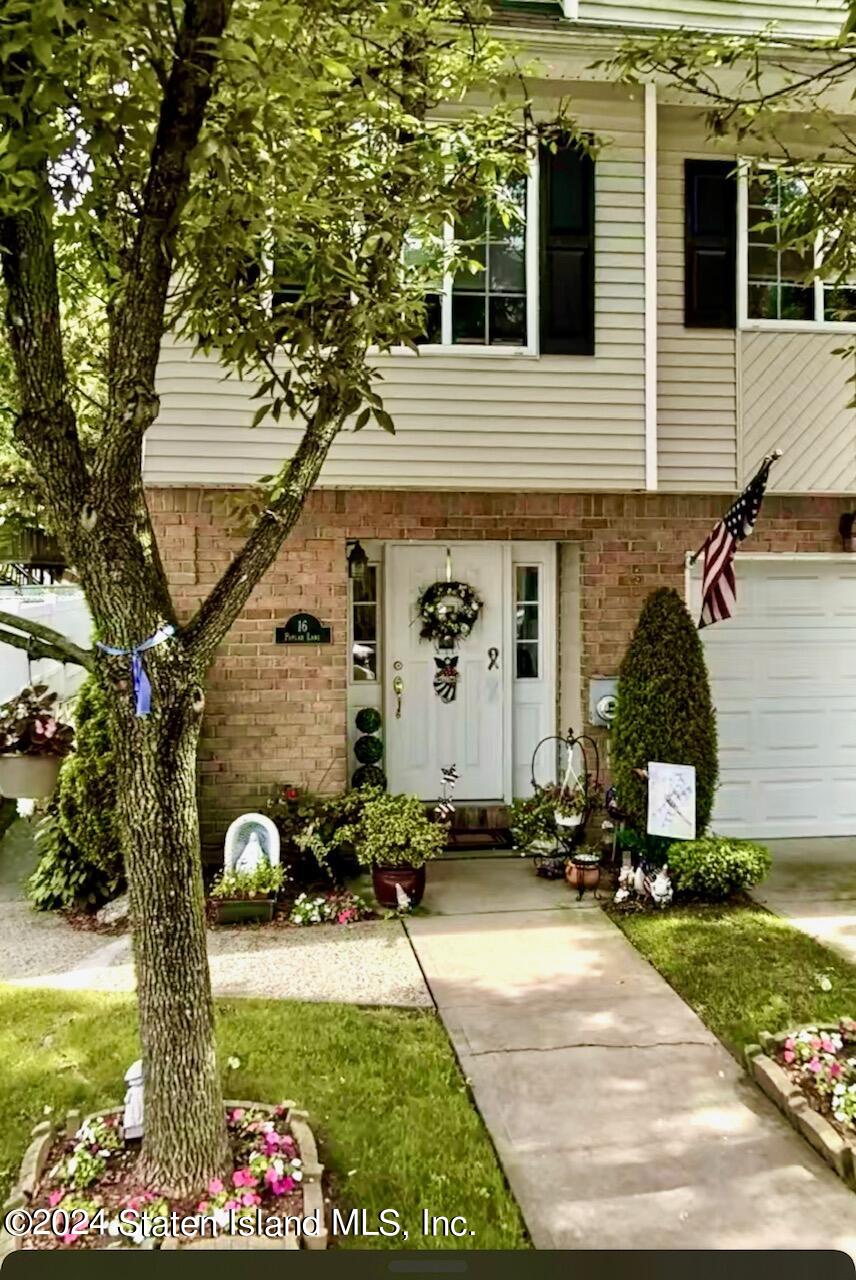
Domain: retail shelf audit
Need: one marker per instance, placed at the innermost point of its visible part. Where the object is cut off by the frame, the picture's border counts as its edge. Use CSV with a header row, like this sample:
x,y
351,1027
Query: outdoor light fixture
x,y
357,561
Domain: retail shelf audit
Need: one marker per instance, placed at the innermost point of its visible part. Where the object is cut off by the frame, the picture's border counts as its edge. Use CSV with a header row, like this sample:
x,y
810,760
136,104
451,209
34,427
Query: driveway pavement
x,y
813,883
620,1120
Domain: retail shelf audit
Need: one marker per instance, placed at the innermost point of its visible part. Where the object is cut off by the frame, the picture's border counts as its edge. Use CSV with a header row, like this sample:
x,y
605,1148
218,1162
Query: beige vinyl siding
x,y
792,17
697,370
479,420
796,393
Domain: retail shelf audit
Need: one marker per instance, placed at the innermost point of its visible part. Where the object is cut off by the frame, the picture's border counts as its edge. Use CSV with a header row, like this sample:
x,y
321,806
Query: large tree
x,y
171,167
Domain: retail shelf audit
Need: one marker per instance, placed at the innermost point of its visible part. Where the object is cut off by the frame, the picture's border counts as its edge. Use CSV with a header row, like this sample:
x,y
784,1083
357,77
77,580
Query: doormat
x,y
464,838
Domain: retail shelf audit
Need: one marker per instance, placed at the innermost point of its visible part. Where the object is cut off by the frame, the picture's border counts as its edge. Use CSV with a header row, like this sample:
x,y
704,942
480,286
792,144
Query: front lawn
x,y
386,1098
743,970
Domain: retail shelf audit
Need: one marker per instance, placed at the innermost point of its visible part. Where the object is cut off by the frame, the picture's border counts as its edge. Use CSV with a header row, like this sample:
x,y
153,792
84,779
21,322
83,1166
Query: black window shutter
x,y
567,251
710,244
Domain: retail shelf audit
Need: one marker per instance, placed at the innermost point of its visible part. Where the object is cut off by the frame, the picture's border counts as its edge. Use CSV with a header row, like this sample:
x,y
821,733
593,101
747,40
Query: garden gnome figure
x,y
132,1125
252,855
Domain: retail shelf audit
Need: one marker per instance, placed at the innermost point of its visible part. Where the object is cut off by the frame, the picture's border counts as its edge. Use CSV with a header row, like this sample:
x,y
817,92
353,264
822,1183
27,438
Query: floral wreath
x,y
443,620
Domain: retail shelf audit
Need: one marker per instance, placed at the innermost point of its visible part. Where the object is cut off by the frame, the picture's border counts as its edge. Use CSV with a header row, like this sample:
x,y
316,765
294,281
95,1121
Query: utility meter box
x,y
602,699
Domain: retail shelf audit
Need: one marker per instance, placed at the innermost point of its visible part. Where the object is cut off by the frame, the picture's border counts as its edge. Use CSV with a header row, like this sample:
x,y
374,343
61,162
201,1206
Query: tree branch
x,y
138,323
43,642
217,613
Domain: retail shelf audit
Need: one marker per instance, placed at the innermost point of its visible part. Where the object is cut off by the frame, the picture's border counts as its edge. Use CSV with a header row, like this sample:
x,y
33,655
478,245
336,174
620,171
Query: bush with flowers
x,y
823,1061
29,725
343,907
95,1172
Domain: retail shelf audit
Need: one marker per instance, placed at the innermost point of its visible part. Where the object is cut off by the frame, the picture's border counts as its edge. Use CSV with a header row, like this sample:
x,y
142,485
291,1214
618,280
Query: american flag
x,y
719,595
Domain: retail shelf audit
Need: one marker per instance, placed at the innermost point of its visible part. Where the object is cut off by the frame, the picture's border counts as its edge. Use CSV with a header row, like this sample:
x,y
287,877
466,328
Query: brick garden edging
x,y
45,1134
836,1150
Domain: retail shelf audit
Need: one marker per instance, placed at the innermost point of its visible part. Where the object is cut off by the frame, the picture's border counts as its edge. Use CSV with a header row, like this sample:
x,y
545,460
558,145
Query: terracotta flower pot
x,y
582,874
27,777
411,879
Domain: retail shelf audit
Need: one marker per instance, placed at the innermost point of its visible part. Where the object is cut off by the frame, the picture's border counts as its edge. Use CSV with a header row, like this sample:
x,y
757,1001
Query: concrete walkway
x,y
813,883
620,1120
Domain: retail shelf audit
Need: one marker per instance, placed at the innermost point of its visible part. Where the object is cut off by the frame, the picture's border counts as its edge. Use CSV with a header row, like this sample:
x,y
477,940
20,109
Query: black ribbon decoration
x,y
493,659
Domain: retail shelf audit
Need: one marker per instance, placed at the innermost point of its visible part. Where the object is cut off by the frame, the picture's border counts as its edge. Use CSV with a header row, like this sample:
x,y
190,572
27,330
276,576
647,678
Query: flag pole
x,y
769,458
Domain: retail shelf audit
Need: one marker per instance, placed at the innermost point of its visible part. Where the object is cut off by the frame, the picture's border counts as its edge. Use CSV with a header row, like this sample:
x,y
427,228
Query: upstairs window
x,y
782,286
528,279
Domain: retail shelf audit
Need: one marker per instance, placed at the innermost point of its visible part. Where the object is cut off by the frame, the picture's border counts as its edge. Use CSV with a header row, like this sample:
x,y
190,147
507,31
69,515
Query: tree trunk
x,y
185,1142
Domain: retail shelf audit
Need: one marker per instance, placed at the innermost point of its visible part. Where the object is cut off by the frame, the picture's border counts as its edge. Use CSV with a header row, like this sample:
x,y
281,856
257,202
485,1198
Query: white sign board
x,y
671,800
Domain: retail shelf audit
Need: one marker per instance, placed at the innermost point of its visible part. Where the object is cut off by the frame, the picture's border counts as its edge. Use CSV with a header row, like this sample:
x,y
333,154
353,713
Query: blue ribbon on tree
x,y
142,684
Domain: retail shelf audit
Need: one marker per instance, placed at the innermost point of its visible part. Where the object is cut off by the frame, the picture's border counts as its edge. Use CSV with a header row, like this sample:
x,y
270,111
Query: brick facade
x,y
276,715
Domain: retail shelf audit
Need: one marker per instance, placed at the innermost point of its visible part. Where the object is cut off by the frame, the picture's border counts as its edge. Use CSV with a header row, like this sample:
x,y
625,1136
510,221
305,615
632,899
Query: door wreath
x,y
448,611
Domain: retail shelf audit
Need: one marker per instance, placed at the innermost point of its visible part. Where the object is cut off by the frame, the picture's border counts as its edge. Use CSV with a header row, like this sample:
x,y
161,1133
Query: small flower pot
x,y
411,879
583,873
24,777
239,910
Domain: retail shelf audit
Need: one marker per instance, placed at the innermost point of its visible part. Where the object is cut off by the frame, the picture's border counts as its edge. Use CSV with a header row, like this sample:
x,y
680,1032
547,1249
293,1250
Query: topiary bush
x,y
369,775
80,860
368,720
715,867
368,750
664,709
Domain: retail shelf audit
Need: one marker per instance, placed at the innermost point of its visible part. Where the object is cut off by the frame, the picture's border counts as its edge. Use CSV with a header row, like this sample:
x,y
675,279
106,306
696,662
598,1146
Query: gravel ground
x,y
367,963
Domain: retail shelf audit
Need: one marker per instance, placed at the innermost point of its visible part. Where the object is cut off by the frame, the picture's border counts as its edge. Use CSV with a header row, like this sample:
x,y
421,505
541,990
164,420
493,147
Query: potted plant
x,y
247,895
33,744
393,836
583,870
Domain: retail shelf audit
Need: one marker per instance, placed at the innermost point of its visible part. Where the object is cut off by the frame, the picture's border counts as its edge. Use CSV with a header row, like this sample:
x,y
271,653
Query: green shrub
x,y
369,775
392,831
664,709
368,750
368,720
80,860
715,867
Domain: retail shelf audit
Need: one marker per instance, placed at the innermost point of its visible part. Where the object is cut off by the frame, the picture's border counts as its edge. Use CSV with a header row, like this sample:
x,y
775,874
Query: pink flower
x,y
815,1066
232,1204
815,1042
243,1178
55,1197
237,1114
827,1045
202,1207
789,1043
249,1198
835,1069
215,1186
789,1055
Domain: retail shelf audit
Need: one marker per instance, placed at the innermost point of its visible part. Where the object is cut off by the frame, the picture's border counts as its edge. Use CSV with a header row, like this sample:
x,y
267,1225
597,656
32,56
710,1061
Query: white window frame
x,y
447,347
744,321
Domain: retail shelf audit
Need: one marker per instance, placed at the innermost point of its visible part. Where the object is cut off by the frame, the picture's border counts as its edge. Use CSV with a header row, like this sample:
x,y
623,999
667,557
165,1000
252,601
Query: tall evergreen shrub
x,y
664,709
81,864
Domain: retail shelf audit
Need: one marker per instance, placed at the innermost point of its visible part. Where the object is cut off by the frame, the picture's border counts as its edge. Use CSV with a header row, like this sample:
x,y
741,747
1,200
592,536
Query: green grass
x,y
743,970
392,1113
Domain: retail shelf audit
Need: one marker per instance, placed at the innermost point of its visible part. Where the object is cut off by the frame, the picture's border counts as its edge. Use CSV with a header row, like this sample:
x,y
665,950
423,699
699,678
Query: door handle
x,y
398,690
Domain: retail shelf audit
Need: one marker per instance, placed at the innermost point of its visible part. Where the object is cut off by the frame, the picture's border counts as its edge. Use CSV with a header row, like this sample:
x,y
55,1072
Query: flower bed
x,y
811,1076
80,1187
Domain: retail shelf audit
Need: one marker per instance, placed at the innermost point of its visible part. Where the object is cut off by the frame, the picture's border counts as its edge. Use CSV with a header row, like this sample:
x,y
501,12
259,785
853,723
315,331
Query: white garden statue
x,y
132,1124
251,840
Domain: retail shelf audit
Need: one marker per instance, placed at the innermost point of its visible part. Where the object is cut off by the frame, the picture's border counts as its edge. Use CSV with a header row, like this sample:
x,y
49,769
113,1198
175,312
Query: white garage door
x,y
783,677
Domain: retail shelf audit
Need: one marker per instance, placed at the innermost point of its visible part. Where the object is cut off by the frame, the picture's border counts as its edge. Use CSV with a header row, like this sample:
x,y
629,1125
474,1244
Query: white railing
x,y
62,608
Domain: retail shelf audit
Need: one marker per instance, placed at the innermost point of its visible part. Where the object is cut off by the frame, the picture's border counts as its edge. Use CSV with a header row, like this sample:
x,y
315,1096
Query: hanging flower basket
x,y
26,777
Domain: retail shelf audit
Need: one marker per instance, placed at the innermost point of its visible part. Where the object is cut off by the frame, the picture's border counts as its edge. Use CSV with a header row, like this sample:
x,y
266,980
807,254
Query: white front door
x,y
425,734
